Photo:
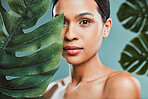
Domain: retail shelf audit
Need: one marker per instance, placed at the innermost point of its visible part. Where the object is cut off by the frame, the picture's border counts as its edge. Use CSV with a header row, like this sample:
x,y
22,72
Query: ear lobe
x,y
107,27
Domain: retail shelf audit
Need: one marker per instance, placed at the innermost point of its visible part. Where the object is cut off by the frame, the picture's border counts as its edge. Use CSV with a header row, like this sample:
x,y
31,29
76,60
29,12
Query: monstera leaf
x,y
32,73
134,15
135,55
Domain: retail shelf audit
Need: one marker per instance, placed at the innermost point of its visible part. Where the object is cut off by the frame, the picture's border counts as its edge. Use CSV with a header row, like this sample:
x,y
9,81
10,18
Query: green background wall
x,y
110,50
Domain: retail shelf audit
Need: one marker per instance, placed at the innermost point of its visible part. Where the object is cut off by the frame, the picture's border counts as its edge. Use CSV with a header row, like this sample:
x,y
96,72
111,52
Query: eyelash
x,y
65,23
88,22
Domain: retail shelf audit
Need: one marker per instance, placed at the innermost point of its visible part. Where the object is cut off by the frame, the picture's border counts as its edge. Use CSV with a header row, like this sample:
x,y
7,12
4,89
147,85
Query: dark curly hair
x,y
103,8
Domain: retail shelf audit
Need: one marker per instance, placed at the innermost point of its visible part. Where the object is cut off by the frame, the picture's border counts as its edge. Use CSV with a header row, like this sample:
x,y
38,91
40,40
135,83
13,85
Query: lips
x,y
72,50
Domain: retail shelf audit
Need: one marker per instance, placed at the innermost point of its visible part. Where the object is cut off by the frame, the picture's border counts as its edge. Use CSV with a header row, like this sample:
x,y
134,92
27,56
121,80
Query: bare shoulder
x,y
53,87
122,85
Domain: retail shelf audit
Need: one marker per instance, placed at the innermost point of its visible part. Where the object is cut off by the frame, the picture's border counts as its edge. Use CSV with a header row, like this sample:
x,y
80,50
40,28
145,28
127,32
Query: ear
x,y
107,27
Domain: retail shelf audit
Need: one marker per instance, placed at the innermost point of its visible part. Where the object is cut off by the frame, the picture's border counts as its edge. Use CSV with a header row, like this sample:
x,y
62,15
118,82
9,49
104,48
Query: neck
x,y
87,71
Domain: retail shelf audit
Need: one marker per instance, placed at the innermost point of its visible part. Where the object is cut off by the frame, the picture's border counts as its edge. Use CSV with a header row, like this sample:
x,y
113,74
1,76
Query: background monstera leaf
x,y
32,72
135,55
134,15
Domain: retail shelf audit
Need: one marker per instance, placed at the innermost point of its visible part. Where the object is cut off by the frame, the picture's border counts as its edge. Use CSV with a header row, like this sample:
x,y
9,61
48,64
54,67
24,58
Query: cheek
x,y
62,34
95,30
94,38
93,34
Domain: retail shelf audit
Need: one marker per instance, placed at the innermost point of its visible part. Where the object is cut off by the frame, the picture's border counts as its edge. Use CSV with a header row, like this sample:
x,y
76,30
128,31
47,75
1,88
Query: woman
x,y
86,23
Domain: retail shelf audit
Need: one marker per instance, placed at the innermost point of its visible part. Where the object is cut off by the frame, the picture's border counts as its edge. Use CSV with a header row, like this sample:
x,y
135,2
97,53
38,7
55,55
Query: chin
x,y
74,60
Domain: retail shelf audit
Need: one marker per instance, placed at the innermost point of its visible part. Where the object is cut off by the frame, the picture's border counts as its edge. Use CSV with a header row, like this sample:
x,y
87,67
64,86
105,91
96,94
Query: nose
x,y
71,34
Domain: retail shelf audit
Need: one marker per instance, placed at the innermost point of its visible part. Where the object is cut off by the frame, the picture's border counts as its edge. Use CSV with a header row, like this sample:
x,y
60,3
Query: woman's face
x,y
83,29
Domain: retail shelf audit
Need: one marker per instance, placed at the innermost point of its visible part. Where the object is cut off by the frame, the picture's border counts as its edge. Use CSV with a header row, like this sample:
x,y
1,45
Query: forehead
x,y
75,6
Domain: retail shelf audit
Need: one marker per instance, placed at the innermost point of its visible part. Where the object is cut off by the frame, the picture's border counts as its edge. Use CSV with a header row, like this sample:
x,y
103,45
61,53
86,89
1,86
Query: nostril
x,y
70,39
75,39
66,39
71,34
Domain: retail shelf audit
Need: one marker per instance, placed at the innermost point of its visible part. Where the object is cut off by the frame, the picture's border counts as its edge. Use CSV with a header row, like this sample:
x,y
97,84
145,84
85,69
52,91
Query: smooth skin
x,y
88,78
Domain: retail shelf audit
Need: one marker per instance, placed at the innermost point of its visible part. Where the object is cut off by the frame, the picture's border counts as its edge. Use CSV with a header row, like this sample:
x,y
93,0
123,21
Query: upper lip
x,y
72,47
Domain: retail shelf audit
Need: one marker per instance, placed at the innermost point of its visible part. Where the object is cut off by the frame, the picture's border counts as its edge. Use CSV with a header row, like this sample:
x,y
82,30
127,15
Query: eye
x,y
85,22
65,23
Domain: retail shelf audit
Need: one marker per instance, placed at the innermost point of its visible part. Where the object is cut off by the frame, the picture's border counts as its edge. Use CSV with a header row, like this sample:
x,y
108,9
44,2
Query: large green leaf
x,y
26,86
32,72
135,55
134,15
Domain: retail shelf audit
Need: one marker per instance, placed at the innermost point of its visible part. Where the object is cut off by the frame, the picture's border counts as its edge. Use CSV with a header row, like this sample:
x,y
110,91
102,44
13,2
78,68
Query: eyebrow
x,y
80,15
83,14
56,15
59,14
